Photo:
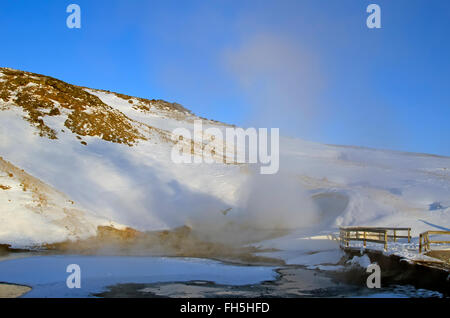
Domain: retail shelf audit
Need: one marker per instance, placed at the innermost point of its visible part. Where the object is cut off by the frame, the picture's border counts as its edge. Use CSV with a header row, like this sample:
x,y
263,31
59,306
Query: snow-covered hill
x,y
110,153
33,213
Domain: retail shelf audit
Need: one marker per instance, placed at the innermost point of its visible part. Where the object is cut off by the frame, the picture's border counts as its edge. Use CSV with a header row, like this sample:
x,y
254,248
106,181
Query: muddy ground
x,y
292,282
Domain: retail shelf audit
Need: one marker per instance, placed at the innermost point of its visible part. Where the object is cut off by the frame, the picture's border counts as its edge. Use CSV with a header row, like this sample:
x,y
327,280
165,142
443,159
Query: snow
x,y
47,274
361,261
319,187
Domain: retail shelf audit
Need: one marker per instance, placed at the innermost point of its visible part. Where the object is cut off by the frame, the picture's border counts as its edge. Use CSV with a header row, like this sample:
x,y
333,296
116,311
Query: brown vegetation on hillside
x,y
40,96
84,113
146,104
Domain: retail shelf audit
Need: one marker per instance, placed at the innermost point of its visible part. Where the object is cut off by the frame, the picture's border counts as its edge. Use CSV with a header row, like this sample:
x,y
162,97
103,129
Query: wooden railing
x,y
424,239
372,234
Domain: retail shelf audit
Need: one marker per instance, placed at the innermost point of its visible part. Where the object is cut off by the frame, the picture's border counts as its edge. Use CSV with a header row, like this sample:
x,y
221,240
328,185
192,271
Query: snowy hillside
x,y
33,213
110,153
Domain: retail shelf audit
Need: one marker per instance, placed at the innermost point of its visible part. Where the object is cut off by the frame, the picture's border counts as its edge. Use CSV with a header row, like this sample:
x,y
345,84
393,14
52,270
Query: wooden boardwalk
x,y
366,234
425,238
384,235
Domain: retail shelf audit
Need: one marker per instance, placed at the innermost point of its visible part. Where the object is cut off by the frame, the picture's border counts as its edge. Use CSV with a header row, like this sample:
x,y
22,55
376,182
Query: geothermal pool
x,y
47,274
134,276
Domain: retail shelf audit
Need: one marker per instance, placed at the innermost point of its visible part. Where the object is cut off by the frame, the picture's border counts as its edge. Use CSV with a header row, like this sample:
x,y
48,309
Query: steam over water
x,y
268,205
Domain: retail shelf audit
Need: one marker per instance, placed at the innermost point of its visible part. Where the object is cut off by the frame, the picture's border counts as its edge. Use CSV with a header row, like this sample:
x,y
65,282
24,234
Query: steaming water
x,y
47,275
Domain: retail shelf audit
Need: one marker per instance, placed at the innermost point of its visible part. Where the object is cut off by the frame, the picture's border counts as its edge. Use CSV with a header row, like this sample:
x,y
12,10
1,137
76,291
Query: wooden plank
x,y
398,236
368,240
360,228
395,228
375,228
438,232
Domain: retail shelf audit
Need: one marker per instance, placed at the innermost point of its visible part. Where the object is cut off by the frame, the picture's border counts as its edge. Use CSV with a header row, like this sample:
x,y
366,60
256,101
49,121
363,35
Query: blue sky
x,y
311,68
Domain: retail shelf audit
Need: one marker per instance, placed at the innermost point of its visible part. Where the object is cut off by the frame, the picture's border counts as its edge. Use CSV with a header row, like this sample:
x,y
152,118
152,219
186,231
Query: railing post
x,y
420,243
395,238
365,236
385,240
425,242
409,235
